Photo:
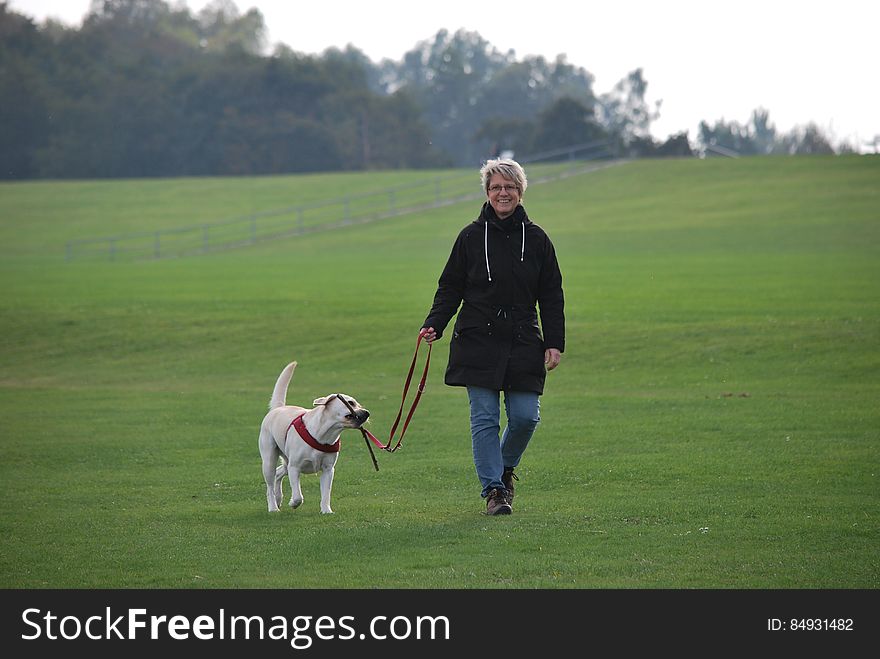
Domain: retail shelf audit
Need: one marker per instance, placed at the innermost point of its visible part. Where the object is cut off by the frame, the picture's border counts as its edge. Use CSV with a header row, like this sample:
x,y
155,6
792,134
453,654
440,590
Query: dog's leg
x,y
296,495
326,486
269,477
269,453
280,473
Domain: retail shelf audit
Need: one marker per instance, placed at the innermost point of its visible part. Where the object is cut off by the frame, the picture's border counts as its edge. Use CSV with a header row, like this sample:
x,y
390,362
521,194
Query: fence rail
x,y
321,216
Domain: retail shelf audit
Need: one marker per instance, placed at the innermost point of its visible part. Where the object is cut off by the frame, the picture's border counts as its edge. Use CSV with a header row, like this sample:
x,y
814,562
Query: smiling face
x,y
504,195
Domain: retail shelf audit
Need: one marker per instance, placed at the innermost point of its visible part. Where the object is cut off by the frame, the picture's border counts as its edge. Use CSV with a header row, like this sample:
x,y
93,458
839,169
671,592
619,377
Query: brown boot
x,y
497,503
507,478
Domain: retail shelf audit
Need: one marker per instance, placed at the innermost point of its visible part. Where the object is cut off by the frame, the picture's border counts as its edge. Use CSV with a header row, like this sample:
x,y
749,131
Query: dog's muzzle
x,y
360,417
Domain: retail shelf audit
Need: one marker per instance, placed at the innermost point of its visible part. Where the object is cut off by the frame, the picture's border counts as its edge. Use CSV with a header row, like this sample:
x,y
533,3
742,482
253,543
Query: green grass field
x,y
714,422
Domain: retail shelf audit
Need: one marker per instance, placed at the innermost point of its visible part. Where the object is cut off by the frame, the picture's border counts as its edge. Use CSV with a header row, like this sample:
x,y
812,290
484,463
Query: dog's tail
x,y
279,395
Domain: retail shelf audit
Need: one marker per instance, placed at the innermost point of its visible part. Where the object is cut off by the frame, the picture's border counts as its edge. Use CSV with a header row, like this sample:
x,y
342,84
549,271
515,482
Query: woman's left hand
x,y
551,358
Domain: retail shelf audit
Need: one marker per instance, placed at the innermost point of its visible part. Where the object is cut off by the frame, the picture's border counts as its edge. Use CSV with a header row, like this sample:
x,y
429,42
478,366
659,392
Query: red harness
x,y
311,441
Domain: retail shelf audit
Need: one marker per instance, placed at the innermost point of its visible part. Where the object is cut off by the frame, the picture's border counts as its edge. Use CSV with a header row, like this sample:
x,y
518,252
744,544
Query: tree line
x,y
144,88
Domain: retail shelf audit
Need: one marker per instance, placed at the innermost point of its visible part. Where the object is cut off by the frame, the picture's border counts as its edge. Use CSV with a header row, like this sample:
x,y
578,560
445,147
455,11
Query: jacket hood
x,y
519,217
487,214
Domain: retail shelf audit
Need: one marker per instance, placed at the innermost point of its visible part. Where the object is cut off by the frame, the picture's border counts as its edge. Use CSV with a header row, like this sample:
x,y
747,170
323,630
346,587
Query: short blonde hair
x,y
509,169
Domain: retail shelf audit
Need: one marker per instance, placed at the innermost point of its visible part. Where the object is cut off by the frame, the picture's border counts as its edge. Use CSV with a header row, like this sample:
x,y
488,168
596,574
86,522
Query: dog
x,y
306,440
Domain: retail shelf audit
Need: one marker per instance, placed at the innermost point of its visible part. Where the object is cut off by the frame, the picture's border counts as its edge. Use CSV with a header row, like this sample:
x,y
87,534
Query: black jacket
x,y
497,342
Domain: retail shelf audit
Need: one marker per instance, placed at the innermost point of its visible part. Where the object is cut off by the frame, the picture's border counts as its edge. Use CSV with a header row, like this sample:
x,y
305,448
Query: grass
x,y
713,424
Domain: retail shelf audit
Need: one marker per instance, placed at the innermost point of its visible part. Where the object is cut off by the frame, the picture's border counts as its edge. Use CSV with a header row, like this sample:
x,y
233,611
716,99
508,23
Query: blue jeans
x,y
491,453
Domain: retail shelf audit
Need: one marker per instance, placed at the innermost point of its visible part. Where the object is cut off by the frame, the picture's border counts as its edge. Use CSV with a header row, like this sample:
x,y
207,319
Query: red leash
x,y
412,409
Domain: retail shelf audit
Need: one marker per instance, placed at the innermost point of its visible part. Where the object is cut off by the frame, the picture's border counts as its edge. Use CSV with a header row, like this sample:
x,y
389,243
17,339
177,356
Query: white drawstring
x,y
522,250
486,248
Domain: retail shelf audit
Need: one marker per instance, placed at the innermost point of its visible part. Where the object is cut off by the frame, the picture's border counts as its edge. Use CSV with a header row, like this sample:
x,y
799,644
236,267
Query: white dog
x,y
307,441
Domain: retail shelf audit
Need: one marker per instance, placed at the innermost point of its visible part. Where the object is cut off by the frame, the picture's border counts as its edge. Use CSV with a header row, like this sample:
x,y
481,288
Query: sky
x,y
803,61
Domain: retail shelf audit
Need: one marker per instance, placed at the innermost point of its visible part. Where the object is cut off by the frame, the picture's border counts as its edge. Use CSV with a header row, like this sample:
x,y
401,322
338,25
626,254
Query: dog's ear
x,y
322,401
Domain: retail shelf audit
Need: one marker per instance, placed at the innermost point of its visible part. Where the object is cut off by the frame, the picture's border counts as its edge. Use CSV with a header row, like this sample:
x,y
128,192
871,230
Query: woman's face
x,y
503,195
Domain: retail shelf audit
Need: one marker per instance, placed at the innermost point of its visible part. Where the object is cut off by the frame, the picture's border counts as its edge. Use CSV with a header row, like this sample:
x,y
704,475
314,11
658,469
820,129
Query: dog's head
x,y
345,409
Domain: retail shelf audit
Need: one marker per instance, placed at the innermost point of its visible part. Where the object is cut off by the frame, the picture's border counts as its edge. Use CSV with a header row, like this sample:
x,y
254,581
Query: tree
x,y
763,133
565,123
25,121
128,11
806,140
221,26
470,91
446,76
512,99
624,112
515,135
675,145
759,137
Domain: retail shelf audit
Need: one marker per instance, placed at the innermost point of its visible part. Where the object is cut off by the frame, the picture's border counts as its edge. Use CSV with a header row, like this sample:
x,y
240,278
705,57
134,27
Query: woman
x,y
501,266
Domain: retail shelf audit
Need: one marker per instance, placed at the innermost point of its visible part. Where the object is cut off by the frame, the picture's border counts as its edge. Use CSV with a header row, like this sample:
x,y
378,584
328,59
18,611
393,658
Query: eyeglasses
x,y
503,188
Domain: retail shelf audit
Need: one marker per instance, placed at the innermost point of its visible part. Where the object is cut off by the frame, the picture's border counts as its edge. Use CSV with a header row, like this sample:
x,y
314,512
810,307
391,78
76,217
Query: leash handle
x,y
370,437
421,389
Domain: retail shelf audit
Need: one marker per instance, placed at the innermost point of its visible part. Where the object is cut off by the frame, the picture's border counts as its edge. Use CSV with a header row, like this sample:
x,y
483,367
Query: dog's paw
x,y
326,511
295,503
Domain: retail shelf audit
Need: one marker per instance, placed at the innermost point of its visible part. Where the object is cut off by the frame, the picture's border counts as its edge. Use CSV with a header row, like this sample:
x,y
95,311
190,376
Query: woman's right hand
x,y
429,334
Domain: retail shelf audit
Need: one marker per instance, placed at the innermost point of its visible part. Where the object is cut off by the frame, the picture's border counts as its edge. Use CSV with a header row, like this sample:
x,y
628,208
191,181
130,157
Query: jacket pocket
x,y
529,334
528,353
473,346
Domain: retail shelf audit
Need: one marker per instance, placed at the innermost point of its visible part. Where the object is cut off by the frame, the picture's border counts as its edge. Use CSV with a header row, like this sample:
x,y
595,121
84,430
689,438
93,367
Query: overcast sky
x,y
805,61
